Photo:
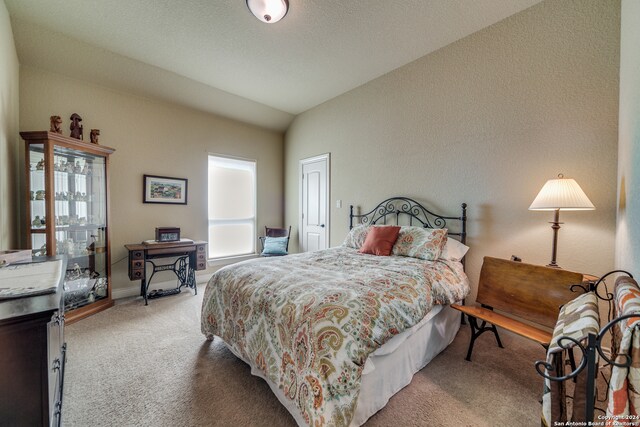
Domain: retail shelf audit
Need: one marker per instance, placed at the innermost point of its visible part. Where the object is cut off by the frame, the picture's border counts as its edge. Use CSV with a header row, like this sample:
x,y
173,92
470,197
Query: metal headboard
x,y
397,206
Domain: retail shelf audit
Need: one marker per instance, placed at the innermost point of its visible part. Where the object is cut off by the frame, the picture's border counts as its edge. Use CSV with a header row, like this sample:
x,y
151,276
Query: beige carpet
x,y
150,366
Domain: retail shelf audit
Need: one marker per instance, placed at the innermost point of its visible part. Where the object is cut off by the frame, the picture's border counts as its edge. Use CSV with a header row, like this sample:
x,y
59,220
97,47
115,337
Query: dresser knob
x,y
57,319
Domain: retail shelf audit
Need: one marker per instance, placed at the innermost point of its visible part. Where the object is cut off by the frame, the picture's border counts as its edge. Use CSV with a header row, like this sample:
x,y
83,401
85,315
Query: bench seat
x,y
531,332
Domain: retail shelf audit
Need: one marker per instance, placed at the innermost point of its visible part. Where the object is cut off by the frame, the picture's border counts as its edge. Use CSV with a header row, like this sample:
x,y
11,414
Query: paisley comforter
x,y
309,321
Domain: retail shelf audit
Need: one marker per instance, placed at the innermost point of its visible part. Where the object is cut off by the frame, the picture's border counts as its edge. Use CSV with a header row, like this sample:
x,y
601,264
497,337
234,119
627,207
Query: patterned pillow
x,y
356,237
421,243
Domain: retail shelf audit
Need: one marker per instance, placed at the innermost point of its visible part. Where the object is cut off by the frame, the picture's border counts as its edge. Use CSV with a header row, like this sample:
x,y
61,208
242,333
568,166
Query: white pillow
x,y
357,235
453,250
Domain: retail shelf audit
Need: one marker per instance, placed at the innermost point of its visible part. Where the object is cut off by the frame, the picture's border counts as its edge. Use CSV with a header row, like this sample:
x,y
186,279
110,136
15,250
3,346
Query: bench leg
x,y
495,332
476,331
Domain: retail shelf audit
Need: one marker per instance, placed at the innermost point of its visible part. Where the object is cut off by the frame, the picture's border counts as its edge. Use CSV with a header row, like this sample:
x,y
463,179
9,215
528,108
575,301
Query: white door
x,y
314,196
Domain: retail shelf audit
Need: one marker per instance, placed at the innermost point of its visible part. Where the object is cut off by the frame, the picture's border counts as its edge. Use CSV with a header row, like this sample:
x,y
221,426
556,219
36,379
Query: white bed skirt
x,y
390,368
394,367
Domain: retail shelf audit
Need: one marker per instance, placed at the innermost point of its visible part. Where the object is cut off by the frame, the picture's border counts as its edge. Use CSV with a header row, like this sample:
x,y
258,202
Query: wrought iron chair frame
x,y
592,348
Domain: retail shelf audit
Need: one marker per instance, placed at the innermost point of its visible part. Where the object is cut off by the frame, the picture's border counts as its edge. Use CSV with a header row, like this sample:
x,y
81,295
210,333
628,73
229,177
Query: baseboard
x,y
127,292
134,291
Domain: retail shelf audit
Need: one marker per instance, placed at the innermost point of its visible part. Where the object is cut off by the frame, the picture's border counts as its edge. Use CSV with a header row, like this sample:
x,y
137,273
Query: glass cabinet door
x,y
79,219
80,224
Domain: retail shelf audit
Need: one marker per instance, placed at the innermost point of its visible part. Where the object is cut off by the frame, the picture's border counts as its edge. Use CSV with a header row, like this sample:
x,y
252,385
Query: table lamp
x,y
560,194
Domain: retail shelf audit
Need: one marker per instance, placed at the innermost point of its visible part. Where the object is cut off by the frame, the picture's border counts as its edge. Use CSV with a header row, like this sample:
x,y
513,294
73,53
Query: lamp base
x,y
555,225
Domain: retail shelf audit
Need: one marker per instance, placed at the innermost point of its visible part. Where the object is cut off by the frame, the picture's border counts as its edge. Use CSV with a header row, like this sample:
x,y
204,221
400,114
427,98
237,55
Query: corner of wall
x,y
9,138
628,210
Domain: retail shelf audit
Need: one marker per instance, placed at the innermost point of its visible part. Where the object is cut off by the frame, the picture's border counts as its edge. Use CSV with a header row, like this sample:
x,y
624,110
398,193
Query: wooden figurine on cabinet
x,y
94,135
76,127
56,123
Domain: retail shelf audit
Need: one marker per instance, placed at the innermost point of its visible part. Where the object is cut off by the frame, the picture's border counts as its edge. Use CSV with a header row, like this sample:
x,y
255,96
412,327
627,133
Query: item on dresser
x,y
76,127
15,255
167,234
27,279
328,329
55,122
94,136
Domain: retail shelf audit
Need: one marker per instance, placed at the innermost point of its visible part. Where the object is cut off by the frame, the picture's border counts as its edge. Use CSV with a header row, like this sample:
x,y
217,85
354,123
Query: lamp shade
x,y
269,11
562,193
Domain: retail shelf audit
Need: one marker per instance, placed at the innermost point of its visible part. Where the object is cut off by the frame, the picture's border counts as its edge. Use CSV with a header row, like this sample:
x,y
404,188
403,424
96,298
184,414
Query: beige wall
x,y
628,231
8,133
486,120
154,137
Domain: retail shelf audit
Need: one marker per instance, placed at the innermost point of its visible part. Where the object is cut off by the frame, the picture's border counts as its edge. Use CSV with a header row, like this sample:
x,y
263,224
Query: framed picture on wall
x,y
164,189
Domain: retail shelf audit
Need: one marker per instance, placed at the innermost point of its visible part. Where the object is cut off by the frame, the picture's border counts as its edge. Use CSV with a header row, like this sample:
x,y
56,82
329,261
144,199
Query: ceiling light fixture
x,y
269,11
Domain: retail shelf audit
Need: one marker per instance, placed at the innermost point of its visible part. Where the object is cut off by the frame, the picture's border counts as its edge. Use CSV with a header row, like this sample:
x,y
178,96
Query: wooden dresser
x,y
32,359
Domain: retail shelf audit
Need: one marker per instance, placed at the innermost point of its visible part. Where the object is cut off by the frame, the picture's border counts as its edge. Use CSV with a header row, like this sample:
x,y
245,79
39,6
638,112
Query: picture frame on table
x,y
164,190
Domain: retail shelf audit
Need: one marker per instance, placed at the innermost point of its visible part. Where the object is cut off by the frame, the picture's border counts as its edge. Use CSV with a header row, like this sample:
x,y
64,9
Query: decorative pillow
x,y
357,235
380,240
275,246
421,243
453,250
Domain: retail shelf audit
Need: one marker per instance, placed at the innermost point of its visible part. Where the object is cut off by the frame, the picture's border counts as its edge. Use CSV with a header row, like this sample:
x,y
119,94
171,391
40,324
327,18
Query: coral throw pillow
x,y
380,240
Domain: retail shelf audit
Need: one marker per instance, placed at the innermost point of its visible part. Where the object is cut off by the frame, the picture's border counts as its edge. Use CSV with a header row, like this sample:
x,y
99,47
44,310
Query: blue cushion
x,y
275,246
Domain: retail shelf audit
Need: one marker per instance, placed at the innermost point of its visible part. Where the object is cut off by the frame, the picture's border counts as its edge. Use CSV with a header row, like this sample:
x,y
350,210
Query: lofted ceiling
x,y
214,55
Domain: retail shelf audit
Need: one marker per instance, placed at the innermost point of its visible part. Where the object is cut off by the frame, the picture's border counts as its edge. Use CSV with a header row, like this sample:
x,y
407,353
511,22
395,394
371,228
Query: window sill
x,y
216,262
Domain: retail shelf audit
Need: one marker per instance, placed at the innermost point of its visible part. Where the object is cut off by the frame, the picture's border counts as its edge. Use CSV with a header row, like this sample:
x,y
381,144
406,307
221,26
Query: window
x,y
232,207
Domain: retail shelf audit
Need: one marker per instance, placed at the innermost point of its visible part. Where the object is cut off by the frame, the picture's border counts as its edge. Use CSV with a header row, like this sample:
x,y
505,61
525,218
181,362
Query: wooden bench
x,y
529,292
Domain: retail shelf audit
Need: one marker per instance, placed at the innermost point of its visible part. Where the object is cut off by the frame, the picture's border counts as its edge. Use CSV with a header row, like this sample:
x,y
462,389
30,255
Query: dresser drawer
x,y
136,274
137,264
137,254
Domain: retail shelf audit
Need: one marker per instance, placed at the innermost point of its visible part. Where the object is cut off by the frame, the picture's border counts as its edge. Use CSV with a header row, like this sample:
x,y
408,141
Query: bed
x,y
335,333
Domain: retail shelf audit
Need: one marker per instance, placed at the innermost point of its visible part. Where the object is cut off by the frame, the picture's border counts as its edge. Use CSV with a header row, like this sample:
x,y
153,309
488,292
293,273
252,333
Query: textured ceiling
x,y
219,51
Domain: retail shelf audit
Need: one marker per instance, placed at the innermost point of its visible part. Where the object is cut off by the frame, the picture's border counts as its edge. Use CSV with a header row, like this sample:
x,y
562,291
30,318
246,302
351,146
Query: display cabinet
x,y
67,213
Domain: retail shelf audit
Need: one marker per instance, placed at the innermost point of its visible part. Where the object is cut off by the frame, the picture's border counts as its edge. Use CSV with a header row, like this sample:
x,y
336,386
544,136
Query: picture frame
x,y
164,190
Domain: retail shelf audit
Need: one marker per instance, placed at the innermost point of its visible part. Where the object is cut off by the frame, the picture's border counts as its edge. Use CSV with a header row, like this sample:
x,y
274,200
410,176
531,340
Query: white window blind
x,y
232,207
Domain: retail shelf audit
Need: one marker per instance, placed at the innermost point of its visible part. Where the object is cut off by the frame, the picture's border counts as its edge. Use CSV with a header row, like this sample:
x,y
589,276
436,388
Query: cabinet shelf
x,y
87,211
80,227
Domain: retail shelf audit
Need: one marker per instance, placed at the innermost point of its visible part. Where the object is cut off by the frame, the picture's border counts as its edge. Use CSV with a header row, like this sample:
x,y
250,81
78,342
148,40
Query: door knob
x,y
322,225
